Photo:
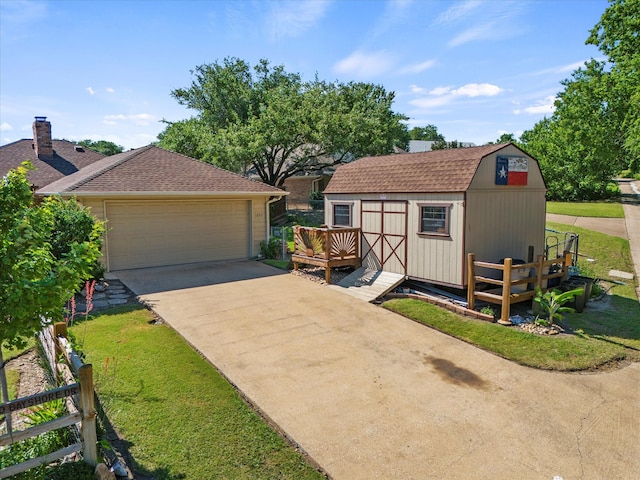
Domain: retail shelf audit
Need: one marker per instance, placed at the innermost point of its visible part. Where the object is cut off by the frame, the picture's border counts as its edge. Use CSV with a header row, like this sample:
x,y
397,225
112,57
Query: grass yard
x,y
587,209
602,334
180,417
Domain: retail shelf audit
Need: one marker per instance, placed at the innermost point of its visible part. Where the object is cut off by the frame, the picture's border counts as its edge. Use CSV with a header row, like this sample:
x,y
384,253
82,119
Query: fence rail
x,y
512,289
80,403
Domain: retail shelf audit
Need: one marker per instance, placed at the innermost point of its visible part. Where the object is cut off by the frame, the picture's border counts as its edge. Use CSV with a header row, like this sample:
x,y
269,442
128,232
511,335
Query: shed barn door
x,y
384,235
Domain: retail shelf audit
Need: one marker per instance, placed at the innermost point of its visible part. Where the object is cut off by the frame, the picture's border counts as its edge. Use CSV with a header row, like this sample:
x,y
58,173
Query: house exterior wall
x,y
236,234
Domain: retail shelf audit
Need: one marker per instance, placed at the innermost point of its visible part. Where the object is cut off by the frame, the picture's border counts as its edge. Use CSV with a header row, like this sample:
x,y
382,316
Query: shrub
x,y
271,248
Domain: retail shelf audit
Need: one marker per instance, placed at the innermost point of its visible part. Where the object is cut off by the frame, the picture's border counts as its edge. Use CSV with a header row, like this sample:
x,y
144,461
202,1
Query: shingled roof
x,y
449,170
67,158
154,170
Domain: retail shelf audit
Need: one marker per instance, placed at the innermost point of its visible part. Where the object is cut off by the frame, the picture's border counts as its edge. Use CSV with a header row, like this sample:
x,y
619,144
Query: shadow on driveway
x,y
144,281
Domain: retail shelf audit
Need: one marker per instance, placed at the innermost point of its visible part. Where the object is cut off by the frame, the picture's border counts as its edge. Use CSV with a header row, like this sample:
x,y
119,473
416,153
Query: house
x,y
421,213
163,208
52,159
302,187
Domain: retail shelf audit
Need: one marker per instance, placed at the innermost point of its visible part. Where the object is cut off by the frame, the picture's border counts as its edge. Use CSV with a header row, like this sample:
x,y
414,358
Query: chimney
x,y
42,137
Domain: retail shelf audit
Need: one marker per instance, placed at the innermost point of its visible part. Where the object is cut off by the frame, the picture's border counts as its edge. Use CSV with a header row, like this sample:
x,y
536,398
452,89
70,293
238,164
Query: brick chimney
x,y
42,137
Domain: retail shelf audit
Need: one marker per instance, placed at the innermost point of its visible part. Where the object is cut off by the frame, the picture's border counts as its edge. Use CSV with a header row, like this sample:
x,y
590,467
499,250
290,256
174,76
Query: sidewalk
x,y
631,205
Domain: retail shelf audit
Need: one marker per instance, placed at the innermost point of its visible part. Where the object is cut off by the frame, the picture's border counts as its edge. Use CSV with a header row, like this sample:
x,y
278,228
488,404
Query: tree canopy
x,y
428,132
35,281
594,132
272,122
102,146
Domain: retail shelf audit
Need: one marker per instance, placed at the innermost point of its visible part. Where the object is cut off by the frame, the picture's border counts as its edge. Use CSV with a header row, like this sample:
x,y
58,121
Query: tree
x,y
102,146
505,138
429,132
272,121
34,284
594,131
443,145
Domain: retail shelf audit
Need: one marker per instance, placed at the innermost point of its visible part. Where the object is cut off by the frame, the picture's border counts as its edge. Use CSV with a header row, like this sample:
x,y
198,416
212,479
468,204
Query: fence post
x,y
471,281
59,330
506,292
89,436
539,270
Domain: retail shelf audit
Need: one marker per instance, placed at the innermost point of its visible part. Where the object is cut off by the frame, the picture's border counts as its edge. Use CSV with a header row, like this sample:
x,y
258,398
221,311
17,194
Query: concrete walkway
x,y
368,394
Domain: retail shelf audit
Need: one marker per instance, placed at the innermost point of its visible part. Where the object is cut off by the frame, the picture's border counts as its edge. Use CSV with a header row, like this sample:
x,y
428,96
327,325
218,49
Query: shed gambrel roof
x,y
449,170
67,159
151,169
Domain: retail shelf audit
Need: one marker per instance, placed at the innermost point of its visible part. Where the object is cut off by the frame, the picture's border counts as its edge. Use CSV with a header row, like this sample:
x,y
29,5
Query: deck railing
x,y
326,247
512,289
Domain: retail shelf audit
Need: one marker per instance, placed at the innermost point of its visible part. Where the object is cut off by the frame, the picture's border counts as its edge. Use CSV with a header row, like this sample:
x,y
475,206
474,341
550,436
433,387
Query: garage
x,y
143,234
162,208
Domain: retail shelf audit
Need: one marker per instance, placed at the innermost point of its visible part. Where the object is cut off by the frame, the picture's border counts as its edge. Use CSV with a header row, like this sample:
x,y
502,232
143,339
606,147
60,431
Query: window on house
x,y
434,219
342,215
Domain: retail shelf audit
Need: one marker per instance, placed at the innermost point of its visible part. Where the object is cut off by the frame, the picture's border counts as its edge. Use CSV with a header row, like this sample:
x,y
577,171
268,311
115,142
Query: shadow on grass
x,y
613,321
121,450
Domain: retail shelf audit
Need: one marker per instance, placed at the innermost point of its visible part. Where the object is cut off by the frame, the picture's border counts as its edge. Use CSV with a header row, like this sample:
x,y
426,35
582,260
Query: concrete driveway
x,y
370,395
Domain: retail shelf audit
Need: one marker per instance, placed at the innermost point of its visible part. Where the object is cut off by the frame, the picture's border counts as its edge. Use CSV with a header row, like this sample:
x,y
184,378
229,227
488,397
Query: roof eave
x,y
165,194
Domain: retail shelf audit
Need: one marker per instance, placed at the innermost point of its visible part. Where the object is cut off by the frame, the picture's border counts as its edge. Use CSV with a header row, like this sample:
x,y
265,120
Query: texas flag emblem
x,y
511,170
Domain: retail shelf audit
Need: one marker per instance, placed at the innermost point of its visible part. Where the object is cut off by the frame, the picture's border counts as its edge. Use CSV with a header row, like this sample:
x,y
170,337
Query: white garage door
x,y
147,234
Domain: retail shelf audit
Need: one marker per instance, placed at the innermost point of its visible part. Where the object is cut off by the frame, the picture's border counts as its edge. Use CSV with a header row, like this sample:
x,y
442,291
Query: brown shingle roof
x,y
153,169
65,161
448,170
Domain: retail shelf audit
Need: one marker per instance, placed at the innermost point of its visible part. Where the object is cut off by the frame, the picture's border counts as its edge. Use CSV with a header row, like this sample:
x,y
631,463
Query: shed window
x,y
434,219
342,215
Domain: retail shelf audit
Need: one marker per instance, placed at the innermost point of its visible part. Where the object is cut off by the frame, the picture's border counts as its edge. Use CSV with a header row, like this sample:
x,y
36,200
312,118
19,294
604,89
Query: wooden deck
x,y
326,247
367,284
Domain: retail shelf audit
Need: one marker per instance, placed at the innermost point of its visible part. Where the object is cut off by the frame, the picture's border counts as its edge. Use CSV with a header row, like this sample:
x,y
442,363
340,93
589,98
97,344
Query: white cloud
x,y
543,106
365,65
90,90
110,90
291,19
5,127
142,119
418,67
477,90
440,96
417,89
485,31
458,12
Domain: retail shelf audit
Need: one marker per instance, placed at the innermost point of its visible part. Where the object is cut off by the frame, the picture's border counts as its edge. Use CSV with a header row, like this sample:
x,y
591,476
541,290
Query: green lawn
x,y
181,418
587,209
602,335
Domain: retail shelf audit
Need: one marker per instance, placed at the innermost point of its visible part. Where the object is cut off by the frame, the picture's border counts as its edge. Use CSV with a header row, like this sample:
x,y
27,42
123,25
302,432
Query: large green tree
x,y
266,119
35,281
428,132
102,146
594,131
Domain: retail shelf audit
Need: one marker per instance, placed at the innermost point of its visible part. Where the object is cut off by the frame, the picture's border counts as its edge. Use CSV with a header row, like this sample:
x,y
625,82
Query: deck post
x,y
89,436
471,281
506,292
539,270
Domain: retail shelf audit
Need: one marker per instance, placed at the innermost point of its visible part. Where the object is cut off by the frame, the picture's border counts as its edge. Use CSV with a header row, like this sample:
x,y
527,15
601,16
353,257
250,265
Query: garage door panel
x,y
153,234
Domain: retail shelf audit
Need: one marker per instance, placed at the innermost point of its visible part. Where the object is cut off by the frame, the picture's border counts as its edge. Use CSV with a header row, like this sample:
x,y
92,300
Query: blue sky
x,y
104,70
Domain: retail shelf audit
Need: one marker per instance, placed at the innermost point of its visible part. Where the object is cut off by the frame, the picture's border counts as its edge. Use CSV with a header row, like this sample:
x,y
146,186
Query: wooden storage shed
x,y
421,213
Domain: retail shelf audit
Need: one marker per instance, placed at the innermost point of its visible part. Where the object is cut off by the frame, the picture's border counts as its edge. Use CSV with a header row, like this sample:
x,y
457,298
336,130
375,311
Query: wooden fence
x,y
79,396
512,289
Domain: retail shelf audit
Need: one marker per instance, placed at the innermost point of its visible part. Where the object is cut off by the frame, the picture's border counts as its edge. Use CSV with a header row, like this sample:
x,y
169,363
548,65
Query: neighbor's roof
x,y
449,170
65,160
154,170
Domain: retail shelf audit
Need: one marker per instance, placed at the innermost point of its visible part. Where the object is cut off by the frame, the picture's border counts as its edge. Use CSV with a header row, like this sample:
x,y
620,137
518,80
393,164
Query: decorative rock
x,y
120,295
116,291
117,301
101,303
99,287
98,296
